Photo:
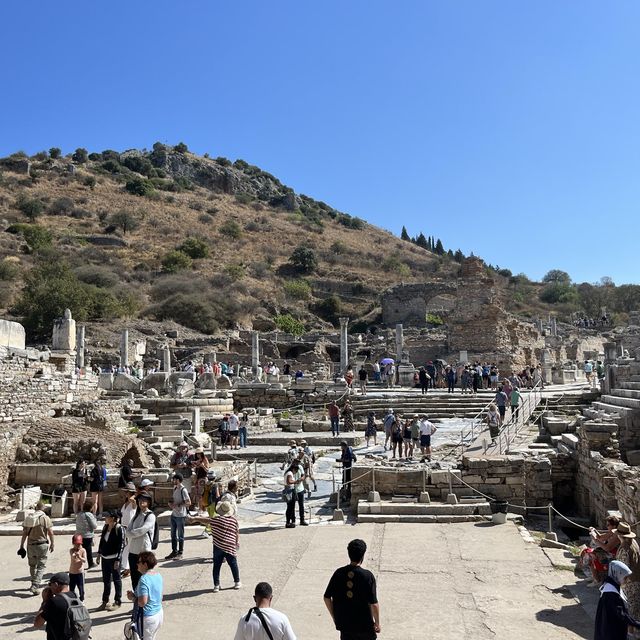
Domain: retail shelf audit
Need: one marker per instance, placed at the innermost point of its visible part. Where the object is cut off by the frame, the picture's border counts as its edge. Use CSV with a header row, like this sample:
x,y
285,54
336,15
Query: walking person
x,y
97,485
86,524
55,610
79,481
371,430
396,437
406,438
140,534
181,463
294,481
127,513
389,421
515,399
334,415
310,472
244,429
363,377
36,528
180,503
110,549
262,621
147,595
347,416
347,458
305,462
450,375
500,401
423,379
225,535
427,429
494,421
612,616
351,598
76,566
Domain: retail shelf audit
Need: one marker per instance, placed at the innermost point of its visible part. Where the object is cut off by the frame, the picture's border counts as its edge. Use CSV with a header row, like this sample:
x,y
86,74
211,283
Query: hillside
x,y
166,235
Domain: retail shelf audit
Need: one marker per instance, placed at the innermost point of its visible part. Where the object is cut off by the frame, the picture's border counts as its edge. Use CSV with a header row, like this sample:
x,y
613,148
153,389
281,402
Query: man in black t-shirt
x,y
54,610
351,597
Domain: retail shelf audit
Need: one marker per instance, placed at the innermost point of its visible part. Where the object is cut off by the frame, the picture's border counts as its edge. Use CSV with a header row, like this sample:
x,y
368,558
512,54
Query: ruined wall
x,y
410,303
30,390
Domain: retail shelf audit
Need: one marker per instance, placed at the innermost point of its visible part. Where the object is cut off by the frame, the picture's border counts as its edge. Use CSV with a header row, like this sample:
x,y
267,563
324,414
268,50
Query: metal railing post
x,y
550,518
450,482
373,479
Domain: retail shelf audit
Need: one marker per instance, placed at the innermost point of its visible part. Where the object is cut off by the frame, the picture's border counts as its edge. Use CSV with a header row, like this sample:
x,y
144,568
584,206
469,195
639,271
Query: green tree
x,y
125,221
557,276
139,187
80,155
403,234
36,237
458,256
421,241
289,324
55,153
304,259
439,248
30,207
195,248
329,309
176,261
231,229
181,147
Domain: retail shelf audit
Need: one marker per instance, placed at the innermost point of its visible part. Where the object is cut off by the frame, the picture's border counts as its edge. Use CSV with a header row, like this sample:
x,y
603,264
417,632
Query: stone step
x,y
626,393
313,439
611,408
418,509
630,403
265,454
629,385
368,517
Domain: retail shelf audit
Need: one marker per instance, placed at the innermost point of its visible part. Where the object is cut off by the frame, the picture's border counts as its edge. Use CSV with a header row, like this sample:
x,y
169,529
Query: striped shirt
x,y
225,533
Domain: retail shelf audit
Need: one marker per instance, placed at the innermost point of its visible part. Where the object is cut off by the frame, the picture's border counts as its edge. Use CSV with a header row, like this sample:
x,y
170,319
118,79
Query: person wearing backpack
x,y
180,503
262,621
97,485
142,535
65,615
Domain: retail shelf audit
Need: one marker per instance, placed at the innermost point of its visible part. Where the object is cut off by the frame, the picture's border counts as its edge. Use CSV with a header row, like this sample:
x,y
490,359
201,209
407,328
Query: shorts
x,y
396,438
425,441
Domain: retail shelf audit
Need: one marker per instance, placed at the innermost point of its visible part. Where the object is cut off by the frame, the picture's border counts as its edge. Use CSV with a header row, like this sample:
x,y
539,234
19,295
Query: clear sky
x,y
510,129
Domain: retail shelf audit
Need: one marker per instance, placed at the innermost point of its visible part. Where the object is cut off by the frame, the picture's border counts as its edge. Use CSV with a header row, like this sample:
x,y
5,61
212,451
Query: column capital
x,y
344,321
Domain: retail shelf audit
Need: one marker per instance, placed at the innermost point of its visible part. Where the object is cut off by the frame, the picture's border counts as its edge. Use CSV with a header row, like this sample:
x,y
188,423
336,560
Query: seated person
x,y
602,550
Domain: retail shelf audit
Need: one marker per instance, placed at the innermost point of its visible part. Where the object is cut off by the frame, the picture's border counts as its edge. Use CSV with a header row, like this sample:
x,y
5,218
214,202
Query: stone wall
x,y
410,303
515,478
30,390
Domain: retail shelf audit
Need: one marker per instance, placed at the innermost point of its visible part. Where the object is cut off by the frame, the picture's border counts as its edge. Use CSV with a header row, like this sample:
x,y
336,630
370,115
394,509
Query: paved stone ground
x,y
442,581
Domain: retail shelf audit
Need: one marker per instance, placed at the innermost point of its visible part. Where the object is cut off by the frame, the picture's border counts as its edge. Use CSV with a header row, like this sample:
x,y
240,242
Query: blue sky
x,y
509,129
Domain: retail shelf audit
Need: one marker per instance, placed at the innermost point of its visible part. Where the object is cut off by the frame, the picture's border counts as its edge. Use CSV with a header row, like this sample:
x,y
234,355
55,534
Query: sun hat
x,y
144,496
130,487
183,444
624,531
224,508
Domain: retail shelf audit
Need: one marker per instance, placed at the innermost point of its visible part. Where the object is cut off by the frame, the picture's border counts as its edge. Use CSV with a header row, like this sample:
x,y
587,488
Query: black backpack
x,y
77,624
155,538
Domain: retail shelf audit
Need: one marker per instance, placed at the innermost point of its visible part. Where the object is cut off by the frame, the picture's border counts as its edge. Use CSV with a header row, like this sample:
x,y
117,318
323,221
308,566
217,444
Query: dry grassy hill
x,y
118,220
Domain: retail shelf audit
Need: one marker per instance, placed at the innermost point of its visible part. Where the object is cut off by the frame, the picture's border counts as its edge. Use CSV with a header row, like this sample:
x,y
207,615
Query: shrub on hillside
x,y
231,229
30,207
195,248
139,187
338,247
244,198
36,237
181,147
62,206
176,261
55,153
89,181
112,166
289,324
8,270
304,259
97,275
235,271
222,161
329,309
168,285
297,289
191,310
139,164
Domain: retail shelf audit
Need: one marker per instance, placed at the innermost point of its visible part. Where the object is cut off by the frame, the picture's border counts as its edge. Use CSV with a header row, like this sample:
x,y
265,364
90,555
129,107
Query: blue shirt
x,y
150,585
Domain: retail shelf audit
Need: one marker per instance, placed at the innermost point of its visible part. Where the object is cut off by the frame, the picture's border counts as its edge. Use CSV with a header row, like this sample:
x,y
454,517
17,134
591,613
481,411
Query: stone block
x,y
633,457
105,381
472,479
571,440
424,497
12,335
124,382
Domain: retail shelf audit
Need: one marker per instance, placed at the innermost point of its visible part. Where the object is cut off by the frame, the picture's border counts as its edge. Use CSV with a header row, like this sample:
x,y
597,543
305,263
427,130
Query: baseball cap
x,y
60,578
146,483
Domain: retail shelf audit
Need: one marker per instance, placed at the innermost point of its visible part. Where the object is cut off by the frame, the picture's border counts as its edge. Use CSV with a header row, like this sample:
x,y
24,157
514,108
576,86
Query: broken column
x,y
80,347
166,359
344,344
554,326
64,333
124,348
399,343
255,353
195,420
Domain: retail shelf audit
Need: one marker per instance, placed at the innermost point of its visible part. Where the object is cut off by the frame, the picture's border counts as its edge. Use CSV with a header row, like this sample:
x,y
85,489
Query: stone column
x,y
399,343
80,347
344,344
554,326
255,352
610,352
195,420
124,348
166,359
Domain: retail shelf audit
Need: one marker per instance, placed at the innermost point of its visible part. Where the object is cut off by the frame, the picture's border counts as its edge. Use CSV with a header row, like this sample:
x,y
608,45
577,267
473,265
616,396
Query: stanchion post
x,y
333,480
424,480
373,479
550,518
462,441
338,499
450,482
214,450
22,499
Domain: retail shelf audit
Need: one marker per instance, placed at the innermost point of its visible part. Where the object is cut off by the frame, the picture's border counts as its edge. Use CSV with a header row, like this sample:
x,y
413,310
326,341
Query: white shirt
x,y
234,422
277,622
426,428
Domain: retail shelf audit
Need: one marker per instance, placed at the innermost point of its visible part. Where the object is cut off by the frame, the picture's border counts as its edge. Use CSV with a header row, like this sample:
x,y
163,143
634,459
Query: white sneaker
x,y
216,588
237,585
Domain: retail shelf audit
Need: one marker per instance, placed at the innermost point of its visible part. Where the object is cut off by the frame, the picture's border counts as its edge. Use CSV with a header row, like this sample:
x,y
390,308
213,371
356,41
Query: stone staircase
x,y
470,509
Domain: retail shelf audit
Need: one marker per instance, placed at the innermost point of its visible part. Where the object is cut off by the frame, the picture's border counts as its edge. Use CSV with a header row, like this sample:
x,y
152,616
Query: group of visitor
x,y
233,430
